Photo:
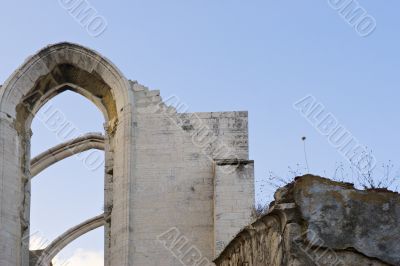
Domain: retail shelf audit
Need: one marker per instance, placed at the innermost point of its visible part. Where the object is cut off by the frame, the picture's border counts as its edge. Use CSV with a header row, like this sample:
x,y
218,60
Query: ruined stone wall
x,y
175,168
316,221
163,166
231,200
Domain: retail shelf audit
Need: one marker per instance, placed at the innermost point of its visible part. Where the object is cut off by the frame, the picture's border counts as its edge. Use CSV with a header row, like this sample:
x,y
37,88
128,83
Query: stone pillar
x,y
233,199
123,181
11,194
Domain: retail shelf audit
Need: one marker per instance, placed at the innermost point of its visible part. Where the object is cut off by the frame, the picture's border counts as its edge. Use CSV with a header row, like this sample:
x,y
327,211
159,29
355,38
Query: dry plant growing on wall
x,y
259,210
382,177
365,176
275,181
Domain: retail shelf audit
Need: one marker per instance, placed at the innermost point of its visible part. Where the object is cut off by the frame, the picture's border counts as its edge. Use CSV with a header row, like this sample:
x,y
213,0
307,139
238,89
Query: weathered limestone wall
x,y
316,221
11,193
175,175
232,204
162,166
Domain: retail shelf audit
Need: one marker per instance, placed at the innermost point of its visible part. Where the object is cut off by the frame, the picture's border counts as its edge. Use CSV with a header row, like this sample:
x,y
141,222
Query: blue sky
x,y
259,56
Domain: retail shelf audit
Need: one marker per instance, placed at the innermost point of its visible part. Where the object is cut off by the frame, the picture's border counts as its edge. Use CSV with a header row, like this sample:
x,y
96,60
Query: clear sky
x,y
260,56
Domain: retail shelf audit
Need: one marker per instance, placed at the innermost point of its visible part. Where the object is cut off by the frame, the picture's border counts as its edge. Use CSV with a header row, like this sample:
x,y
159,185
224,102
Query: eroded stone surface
x,y
316,221
343,217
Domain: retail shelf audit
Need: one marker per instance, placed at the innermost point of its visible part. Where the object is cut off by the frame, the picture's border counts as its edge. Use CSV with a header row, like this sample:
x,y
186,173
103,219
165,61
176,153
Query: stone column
x,y
11,194
122,233
233,199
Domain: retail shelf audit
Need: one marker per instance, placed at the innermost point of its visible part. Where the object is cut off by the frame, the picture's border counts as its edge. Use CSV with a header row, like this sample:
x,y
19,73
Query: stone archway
x,y
164,169
64,150
69,236
51,71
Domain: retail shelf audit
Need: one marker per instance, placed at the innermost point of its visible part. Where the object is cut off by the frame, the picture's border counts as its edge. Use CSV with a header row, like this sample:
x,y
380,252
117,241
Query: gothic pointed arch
x,y
49,72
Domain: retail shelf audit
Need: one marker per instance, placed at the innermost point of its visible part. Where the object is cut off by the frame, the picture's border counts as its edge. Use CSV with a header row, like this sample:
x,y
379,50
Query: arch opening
x,y
63,78
58,244
69,189
49,72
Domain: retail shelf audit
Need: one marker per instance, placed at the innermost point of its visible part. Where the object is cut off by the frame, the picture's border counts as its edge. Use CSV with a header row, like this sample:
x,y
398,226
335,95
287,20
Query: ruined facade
x,y
318,222
179,187
165,169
